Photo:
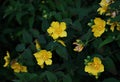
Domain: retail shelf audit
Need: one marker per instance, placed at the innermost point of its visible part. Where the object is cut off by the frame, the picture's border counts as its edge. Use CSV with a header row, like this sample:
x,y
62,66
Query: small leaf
x,y
109,65
51,76
67,21
51,45
87,36
31,21
42,39
77,25
20,47
27,38
106,41
62,52
117,18
111,80
18,17
34,33
45,25
25,77
27,58
67,78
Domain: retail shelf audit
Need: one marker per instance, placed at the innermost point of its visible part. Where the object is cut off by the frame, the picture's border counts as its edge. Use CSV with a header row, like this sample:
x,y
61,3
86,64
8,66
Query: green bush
x,y
59,41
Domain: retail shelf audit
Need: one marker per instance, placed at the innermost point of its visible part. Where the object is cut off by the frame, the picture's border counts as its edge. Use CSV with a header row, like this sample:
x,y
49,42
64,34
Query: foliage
x,y
22,22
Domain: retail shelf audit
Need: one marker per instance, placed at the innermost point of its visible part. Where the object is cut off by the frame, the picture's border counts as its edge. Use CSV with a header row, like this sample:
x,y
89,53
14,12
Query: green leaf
x,y
117,18
111,80
84,12
58,16
109,65
18,17
45,25
77,26
51,76
67,20
60,74
16,81
96,42
20,47
27,38
42,39
115,5
62,52
27,58
25,77
51,45
106,41
35,33
31,21
87,35
67,78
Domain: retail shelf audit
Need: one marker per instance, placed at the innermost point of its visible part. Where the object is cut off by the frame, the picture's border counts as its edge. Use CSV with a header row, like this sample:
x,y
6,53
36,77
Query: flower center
x,y
58,30
96,66
45,56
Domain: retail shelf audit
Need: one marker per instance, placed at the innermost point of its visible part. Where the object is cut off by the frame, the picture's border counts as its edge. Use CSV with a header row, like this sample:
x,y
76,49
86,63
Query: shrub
x,y
60,41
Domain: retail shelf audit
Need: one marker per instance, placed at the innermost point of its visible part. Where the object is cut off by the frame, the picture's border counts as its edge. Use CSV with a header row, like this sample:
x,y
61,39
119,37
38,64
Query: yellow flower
x,y
79,46
37,45
118,27
104,3
113,25
104,6
57,30
7,59
17,67
102,10
95,67
43,56
99,27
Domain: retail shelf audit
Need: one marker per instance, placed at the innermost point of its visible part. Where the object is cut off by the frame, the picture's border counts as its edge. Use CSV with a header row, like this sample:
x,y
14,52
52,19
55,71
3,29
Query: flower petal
x,y
63,26
63,34
48,62
40,61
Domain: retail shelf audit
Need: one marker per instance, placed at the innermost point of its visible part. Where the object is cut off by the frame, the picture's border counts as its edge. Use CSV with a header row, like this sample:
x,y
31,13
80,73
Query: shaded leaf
x,y
45,25
31,21
51,45
106,41
42,39
109,65
25,77
27,38
111,80
67,78
51,76
34,33
20,47
62,52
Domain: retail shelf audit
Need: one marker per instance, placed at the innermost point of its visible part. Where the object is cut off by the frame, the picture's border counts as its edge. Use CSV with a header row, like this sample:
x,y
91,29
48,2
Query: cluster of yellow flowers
x,y
58,30
14,65
99,24
94,67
